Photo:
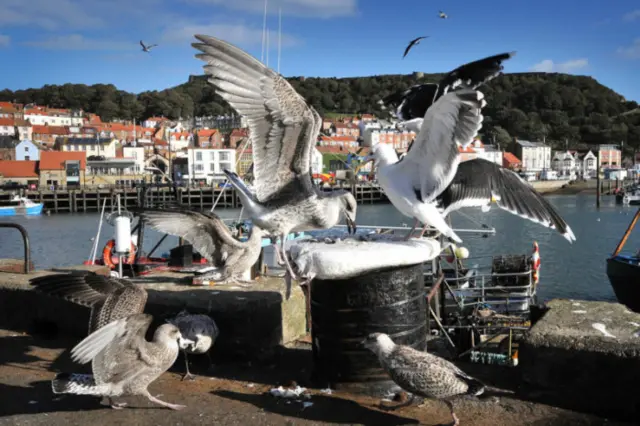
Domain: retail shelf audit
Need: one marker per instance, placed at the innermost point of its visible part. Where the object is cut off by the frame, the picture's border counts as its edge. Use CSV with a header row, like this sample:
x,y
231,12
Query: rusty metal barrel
x,y
345,311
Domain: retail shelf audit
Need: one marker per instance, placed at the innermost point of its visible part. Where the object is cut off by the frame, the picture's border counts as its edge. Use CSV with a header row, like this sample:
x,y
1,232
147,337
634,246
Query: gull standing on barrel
x,y
413,183
211,237
123,361
421,373
283,131
111,299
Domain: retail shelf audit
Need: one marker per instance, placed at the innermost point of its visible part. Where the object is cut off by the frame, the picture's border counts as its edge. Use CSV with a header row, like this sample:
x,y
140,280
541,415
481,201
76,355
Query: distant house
x,y
27,151
105,147
180,140
510,161
564,162
488,152
535,156
47,135
7,127
7,148
24,129
62,168
22,172
208,138
206,165
586,163
610,156
237,137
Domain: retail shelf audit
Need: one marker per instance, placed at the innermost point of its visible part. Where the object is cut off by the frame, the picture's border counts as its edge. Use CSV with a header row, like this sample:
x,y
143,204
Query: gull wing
x,y
283,127
433,159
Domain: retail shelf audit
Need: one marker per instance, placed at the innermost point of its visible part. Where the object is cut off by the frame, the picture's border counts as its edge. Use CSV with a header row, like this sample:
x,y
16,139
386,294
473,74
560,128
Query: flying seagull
x,y
111,299
146,48
422,374
211,237
413,183
412,43
200,329
123,361
478,182
284,130
410,106
442,15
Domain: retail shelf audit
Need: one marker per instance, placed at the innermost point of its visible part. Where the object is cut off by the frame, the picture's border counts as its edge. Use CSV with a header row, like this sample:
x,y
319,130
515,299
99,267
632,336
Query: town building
x,y
535,156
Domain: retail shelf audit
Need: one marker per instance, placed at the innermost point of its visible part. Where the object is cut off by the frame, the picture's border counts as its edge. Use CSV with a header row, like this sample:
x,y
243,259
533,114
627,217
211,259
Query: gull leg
x,y
187,375
415,225
279,255
164,404
116,405
211,364
455,419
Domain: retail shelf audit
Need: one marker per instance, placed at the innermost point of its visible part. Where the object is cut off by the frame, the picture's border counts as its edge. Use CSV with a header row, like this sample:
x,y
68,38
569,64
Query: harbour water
x,y
568,270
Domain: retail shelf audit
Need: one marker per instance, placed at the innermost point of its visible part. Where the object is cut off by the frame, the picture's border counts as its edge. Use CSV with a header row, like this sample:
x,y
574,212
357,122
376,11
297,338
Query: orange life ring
x,y
111,261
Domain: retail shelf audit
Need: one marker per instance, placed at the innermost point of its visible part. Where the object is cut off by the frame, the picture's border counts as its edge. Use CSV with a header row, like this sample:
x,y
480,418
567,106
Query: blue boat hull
x,y
21,210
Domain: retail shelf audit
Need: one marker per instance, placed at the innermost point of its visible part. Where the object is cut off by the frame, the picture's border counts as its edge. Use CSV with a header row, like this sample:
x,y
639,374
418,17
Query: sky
x,y
96,41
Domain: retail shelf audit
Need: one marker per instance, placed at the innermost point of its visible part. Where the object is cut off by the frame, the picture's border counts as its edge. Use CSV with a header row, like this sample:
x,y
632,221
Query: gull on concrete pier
x,y
111,299
421,373
123,361
283,132
211,237
201,330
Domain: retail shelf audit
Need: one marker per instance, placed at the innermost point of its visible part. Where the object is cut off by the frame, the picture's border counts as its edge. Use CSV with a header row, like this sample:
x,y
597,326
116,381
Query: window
x,y
224,156
212,167
198,156
26,158
198,167
26,149
212,156
225,166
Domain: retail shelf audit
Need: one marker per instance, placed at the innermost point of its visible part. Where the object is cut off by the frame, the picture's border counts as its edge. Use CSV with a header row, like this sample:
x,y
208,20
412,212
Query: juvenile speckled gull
x,y
413,183
123,361
110,299
283,132
211,238
200,329
410,106
422,374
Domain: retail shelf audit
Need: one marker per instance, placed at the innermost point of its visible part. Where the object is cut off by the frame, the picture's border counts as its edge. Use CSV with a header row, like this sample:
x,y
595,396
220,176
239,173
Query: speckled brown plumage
x,y
109,298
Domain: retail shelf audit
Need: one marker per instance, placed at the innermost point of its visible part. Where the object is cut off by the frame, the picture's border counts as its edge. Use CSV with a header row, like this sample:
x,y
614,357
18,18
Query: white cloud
x,y
631,52
565,67
632,16
79,42
4,40
239,34
306,8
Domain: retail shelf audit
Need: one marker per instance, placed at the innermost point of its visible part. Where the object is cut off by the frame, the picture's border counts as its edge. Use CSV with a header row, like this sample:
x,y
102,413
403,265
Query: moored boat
x,y
21,206
623,271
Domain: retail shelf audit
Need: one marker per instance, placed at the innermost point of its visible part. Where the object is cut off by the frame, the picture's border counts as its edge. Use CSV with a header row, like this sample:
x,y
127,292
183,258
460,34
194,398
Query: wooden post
x,y
598,179
626,234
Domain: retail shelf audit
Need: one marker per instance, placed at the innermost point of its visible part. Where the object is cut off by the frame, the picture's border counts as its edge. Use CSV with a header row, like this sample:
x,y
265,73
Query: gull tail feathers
x,y
78,384
430,215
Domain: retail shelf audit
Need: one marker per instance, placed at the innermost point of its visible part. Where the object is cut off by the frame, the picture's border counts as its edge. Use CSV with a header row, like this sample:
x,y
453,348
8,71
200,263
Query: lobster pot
x,y
344,312
123,234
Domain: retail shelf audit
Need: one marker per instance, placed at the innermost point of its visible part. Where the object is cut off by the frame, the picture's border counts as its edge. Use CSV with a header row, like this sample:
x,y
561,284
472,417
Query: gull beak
x,y
185,343
351,224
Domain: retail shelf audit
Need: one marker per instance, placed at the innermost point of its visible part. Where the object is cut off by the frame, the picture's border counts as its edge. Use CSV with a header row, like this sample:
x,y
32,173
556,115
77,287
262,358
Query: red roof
x,y
466,150
50,130
338,138
510,160
54,160
332,150
18,169
206,133
243,133
9,122
6,105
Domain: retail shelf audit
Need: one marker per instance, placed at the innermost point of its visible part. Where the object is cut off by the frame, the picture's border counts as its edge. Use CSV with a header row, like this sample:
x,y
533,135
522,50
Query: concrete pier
x,y
577,366
254,321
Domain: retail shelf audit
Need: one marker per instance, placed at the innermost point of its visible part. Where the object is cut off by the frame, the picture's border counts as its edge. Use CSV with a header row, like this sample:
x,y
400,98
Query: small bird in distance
x,y
411,44
146,48
442,15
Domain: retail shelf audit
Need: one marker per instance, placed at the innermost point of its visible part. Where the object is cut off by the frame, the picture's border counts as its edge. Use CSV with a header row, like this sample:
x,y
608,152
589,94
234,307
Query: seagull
x,y
479,182
442,15
211,237
200,329
412,43
284,130
413,183
147,48
123,361
422,374
112,299
410,105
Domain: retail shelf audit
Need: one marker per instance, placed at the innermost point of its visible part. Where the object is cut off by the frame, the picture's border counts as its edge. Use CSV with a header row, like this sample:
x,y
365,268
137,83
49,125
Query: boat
x,y
21,206
631,198
623,271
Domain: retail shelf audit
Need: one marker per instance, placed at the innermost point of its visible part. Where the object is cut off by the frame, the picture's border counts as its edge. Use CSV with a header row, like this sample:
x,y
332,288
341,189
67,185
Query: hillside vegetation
x,y
561,108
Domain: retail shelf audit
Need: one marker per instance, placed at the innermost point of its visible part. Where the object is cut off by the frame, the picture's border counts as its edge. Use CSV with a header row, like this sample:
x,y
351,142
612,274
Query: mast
x,y
279,36
264,30
267,49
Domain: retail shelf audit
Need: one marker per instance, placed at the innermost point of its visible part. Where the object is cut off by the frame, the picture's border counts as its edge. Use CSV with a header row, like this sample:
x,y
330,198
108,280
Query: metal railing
x,y
25,239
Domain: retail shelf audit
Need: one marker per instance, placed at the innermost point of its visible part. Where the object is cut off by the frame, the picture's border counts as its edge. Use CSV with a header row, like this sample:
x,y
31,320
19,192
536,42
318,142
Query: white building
x,y
7,127
105,147
586,164
207,164
316,161
135,153
27,151
535,156
43,118
487,152
564,162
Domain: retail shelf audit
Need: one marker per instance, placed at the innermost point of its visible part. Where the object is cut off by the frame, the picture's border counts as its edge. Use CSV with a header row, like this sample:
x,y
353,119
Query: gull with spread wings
x,y
283,131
